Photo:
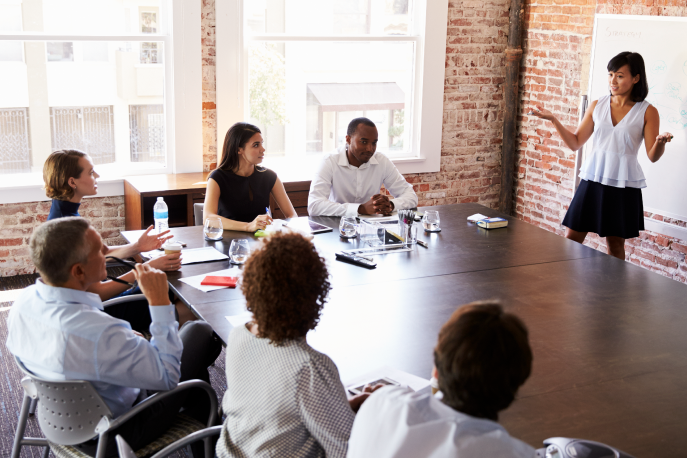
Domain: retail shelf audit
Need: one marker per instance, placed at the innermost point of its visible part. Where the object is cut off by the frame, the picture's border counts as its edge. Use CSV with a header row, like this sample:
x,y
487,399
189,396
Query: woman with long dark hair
x,y
239,189
608,201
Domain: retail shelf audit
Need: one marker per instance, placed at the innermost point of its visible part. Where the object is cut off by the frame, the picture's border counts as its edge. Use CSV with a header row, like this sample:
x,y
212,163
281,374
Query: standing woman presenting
x,y
608,200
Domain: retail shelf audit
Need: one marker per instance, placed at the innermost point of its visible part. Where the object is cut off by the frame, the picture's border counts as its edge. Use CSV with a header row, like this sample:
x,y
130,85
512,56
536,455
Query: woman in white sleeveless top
x,y
608,201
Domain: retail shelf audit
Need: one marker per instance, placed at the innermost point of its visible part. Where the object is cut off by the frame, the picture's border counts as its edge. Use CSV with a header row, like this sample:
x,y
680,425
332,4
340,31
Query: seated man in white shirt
x,y
349,182
481,359
59,331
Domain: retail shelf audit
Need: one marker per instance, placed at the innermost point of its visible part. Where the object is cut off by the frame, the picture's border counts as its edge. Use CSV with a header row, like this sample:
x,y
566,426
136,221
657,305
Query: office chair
x,y
71,412
564,447
126,452
198,214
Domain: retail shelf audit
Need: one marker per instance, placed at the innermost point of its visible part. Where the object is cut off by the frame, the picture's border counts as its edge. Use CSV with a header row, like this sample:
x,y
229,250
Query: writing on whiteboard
x,y
610,33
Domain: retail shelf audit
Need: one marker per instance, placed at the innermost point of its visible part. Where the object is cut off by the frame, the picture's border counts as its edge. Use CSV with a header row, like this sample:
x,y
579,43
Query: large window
x,y
302,70
96,83
106,76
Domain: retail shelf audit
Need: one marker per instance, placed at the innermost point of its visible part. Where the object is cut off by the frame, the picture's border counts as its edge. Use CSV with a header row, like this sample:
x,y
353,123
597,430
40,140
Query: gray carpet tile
x,y
11,395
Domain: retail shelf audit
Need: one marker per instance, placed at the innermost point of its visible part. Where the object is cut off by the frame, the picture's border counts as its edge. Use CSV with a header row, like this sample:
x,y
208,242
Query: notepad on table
x,y
492,223
212,280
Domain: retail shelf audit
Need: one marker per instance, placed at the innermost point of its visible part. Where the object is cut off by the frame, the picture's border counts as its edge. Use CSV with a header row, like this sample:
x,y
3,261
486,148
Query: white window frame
x,y
183,103
431,18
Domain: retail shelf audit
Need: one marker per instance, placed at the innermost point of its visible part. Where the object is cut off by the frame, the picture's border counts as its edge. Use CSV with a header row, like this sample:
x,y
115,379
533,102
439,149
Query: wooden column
x,y
513,57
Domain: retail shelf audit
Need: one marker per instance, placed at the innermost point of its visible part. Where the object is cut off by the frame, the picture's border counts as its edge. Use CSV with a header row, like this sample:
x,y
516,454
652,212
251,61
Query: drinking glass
x,y
372,233
239,251
348,227
411,238
430,221
213,228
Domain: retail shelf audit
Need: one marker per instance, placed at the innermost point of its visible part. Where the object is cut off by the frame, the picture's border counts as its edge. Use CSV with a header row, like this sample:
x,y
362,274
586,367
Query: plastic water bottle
x,y
161,215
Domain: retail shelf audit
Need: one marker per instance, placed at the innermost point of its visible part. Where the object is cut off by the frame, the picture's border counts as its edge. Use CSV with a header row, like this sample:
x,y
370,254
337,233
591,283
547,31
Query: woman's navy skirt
x,y
606,210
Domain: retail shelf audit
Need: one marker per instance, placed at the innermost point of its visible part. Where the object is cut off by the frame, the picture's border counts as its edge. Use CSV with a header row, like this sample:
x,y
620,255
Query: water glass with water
x,y
239,251
348,227
430,221
213,229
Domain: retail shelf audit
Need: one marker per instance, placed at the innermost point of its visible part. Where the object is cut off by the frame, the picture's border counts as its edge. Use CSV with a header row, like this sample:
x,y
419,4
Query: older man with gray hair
x,y
59,331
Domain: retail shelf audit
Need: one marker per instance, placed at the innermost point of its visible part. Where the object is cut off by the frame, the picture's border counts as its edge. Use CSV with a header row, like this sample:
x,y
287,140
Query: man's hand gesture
x,y
153,283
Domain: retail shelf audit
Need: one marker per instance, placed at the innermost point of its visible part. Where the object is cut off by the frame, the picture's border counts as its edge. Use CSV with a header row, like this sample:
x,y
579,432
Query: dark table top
x,y
461,246
608,337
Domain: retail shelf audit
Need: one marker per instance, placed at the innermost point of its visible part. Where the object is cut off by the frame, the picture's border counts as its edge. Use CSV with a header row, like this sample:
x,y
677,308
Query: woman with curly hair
x,y
283,397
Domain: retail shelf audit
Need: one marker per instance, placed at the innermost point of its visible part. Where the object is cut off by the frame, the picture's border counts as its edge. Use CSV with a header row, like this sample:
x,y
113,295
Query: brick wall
x,y
554,73
17,222
473,107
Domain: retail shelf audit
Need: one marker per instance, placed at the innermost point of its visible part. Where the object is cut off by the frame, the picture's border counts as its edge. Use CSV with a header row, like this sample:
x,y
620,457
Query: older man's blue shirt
x,y
63,334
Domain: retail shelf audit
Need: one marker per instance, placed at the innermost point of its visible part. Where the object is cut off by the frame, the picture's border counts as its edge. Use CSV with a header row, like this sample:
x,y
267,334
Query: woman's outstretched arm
x,y
655,143
573,140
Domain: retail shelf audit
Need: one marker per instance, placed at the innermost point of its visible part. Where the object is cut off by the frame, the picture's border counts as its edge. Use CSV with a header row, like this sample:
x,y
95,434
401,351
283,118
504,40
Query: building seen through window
x,y
311,70
103,97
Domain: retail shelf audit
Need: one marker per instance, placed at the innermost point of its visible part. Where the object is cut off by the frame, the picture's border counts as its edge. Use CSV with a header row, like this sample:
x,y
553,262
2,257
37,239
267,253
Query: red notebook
x,y
220,281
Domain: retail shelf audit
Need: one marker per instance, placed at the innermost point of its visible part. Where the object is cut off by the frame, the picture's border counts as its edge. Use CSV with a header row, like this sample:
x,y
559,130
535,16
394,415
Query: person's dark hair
x,y
57,245
353,125
58,168
237,136
286,284
482,357
636,63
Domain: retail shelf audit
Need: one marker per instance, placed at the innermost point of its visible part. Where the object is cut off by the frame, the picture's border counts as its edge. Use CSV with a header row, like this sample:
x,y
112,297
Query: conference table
x,y
608,337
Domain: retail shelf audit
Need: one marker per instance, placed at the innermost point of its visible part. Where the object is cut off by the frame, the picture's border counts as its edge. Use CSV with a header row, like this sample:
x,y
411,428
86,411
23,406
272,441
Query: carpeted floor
x,y
11,392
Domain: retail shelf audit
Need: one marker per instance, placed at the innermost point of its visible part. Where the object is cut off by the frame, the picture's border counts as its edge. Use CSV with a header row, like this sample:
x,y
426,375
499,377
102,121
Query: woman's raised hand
x,y
541,113
259,223
664,138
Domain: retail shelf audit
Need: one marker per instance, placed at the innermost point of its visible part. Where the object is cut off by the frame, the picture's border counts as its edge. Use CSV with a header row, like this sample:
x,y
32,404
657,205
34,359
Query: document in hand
x,y
386,375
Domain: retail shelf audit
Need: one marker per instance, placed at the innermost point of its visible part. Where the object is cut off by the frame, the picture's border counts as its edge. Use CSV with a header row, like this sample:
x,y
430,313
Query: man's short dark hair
x,y
482,357
353,125
57,245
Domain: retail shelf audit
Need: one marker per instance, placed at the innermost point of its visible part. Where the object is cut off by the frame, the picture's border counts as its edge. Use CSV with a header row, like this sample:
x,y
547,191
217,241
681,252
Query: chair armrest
x,y
191,438
120,300
165,394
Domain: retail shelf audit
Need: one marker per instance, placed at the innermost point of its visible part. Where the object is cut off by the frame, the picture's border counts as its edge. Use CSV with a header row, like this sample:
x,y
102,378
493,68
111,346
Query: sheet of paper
x,y
412,381
205,254
195,280
191,255
476,217
378,218
238,320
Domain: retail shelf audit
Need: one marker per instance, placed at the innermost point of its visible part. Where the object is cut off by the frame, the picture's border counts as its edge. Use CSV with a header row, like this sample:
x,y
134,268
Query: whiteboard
x,y
662,42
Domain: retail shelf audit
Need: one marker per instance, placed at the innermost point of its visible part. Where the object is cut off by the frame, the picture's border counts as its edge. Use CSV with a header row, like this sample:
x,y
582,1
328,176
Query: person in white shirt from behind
x,y
348,182
481,359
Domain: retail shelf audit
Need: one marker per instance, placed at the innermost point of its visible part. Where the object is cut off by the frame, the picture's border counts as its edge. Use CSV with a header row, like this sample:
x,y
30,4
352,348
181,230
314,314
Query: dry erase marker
x,y
421,243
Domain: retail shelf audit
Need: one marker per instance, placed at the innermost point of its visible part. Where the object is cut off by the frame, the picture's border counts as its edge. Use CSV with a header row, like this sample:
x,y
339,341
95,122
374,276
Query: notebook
x,y
492,223
220,281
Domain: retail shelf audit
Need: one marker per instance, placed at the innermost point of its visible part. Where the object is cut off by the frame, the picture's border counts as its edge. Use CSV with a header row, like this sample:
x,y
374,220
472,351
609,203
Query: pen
x,y
421,243
269,213
120,281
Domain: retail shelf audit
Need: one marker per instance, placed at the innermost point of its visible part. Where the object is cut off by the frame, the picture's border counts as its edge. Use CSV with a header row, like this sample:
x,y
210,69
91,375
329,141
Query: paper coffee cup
x,y
434,383
172,248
